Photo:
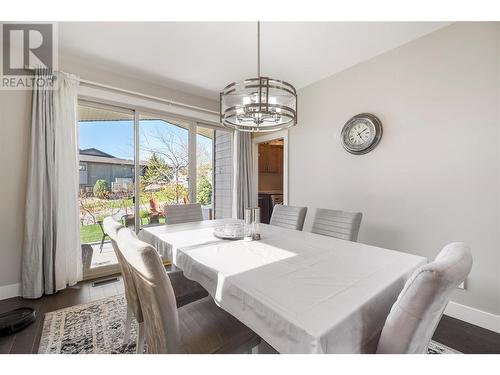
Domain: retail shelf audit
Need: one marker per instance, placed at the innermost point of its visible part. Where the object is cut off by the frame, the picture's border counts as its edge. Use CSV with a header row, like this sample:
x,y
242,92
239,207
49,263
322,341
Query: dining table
x,y
300,292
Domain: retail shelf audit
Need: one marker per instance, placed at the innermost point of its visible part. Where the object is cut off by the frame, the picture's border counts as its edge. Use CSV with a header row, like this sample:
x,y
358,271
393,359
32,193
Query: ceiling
x,y
202,57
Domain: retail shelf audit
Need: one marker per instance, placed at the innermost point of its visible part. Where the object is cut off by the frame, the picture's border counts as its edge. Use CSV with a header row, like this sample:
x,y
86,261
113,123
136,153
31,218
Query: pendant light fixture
x,y
258,104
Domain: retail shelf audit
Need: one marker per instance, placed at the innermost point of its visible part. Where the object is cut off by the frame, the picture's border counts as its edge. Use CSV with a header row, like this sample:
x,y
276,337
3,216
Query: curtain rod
x,y
156,98
139,94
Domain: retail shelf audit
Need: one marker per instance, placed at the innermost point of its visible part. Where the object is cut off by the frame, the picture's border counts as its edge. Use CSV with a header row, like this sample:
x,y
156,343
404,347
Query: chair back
x,y
416,313
182,213
154,205
289,217
156,296
338,224
111,228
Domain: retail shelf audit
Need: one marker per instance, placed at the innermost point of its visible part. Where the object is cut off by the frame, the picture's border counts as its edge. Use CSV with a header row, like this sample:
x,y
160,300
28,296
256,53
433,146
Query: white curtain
x,y
243,189
51,250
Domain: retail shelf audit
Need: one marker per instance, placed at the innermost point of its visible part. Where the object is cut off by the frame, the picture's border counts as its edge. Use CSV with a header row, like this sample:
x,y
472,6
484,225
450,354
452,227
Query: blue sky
x,y
117,137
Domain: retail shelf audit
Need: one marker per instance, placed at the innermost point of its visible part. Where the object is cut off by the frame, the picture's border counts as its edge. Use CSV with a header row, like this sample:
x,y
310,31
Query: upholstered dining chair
x,y
198,327
182,213
111,227
185,290
338,224
416,313
289,217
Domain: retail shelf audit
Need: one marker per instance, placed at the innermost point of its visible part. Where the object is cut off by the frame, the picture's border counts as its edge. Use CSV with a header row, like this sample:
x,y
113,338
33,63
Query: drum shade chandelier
x,y
258,104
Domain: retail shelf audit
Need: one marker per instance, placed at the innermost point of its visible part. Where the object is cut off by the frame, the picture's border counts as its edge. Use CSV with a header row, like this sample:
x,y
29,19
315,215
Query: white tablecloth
x,y
179,234
301,292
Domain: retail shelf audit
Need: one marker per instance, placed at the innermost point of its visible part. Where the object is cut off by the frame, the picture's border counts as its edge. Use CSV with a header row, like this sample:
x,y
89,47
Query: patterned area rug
x,y
98,327
92,328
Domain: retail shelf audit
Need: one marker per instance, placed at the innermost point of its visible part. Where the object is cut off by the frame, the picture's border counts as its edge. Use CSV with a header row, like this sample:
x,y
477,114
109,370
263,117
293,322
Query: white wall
x,y
15,116
434,178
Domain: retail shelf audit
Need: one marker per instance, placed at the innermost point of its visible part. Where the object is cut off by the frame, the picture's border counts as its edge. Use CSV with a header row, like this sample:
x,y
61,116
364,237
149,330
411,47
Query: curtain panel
x,y
51,249
243,184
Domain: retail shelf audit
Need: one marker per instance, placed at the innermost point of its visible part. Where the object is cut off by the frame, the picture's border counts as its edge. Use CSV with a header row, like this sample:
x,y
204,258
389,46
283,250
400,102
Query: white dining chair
x,y
416,313
182,213
111,228
289,217
338,224
185,290
198,327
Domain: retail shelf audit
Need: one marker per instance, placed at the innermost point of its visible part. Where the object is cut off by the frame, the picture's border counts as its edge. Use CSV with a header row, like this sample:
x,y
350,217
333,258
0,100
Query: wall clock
x,y
361,134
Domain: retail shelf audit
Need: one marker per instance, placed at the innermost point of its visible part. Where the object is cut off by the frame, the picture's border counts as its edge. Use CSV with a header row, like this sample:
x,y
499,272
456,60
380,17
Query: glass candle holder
x,y
248,223
256,223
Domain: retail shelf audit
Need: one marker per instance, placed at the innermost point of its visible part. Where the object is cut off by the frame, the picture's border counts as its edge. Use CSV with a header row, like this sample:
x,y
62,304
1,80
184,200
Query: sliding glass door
x,y
164,152
205,169
178,161
106,181
214,171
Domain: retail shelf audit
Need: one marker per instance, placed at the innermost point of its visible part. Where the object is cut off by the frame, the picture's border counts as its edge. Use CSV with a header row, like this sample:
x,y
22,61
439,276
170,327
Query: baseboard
x,y
9,291
474,316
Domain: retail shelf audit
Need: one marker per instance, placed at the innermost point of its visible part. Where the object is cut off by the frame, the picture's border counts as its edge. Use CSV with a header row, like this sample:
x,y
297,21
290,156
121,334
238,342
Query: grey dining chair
x,y
338,224
177,214
416,313
198,327
182,213
111,228
289,217
185,290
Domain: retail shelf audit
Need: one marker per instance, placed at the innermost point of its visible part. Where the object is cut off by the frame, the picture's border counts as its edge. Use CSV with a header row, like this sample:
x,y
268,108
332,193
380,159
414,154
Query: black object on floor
x,y
15,320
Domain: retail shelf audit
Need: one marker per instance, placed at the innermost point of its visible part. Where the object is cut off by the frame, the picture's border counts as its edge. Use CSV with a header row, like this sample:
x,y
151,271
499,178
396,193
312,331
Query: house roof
x,y
93,155
95,152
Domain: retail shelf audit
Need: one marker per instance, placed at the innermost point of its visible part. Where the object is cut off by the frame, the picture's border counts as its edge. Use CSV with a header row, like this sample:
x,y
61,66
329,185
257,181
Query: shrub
x,y
101,189
204,191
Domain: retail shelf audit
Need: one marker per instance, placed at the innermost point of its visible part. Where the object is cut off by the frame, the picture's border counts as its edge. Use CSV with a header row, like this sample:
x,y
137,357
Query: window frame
x,y
137,111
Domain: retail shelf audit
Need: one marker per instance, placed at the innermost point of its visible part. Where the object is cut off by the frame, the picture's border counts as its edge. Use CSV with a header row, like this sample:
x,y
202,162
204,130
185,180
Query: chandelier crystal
x,y
258,104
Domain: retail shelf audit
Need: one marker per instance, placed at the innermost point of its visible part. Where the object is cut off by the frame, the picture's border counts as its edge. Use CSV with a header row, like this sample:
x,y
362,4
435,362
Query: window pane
x,y
223,174
106,170
204,170
164,153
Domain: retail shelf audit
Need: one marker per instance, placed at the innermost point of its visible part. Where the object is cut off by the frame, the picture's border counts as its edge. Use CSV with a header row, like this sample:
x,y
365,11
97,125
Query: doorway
x,y
270,170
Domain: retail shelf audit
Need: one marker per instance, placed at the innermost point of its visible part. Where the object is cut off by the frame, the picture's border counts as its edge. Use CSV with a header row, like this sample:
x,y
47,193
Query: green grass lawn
x,y
92,233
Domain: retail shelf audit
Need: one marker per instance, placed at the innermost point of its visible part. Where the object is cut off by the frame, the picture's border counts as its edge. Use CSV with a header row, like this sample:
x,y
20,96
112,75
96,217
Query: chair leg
x,y
140,338
128,325
102,243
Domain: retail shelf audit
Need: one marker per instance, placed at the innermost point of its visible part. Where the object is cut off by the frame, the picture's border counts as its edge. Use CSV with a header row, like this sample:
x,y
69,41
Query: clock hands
x,y
359,133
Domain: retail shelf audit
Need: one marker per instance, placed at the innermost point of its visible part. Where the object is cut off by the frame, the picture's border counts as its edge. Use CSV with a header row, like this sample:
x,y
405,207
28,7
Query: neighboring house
x,y
98,165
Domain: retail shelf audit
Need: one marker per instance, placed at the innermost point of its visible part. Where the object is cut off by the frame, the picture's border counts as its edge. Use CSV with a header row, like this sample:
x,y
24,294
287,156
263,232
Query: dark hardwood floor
x,y
451,332
28,339
466,338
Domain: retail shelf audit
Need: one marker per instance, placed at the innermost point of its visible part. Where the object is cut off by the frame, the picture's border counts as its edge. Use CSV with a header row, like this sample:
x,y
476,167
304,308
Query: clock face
x,y
361,133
